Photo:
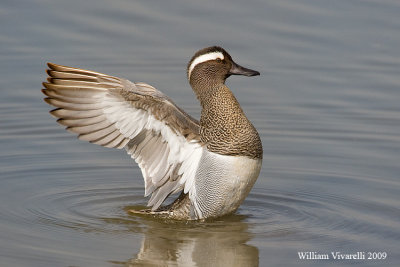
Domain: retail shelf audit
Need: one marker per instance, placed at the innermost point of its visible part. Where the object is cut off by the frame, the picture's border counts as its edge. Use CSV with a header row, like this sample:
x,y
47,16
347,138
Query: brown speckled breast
x,y
224,128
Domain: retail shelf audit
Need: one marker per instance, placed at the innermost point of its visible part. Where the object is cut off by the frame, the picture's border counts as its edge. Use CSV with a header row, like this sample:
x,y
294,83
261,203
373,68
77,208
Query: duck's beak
x,y
239,70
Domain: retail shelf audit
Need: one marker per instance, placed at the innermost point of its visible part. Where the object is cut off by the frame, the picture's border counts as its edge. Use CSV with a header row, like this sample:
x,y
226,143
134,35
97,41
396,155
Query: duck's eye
x,y
219,60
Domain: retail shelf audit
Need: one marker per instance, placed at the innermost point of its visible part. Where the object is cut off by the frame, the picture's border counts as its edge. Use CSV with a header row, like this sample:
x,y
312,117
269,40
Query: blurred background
x,y
326,106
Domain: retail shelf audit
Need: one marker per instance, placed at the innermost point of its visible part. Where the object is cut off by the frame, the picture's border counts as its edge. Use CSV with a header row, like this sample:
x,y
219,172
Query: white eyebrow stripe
x,y
204,58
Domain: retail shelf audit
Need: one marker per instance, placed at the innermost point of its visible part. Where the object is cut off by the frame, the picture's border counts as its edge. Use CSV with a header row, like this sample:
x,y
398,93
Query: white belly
x,y
222,183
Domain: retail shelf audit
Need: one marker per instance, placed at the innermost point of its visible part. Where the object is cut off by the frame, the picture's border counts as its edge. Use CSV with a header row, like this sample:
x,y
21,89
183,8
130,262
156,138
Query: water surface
x,y
326,106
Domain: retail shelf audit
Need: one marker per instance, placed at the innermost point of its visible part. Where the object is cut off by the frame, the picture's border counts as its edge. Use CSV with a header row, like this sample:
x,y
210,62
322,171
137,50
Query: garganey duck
x,y
213,162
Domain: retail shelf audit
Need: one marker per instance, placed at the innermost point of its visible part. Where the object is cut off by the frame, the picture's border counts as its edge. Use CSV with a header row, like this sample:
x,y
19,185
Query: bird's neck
x,y
224,128
219,107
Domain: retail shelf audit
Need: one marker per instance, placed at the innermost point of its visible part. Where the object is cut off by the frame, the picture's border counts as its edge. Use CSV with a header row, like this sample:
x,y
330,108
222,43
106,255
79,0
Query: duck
x,y
212,163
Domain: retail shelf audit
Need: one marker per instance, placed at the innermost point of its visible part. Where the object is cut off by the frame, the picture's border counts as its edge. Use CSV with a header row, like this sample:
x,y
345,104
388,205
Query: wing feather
x,y
114,112
75,114
81,122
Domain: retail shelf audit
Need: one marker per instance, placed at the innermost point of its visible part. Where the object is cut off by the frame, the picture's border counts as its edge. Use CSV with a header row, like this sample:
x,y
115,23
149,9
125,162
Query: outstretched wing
x,y
115,112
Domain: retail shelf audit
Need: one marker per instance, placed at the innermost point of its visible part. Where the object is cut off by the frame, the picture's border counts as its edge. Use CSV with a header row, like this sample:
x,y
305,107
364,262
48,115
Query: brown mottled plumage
x,y
224,128
213,162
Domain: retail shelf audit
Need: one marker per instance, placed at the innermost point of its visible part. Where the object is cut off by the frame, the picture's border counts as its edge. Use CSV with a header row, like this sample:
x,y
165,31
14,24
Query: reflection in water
x,y
326,107
219,243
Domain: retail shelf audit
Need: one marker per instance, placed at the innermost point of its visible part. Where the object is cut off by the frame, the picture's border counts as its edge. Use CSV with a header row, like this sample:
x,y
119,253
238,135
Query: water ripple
x,y
86,210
